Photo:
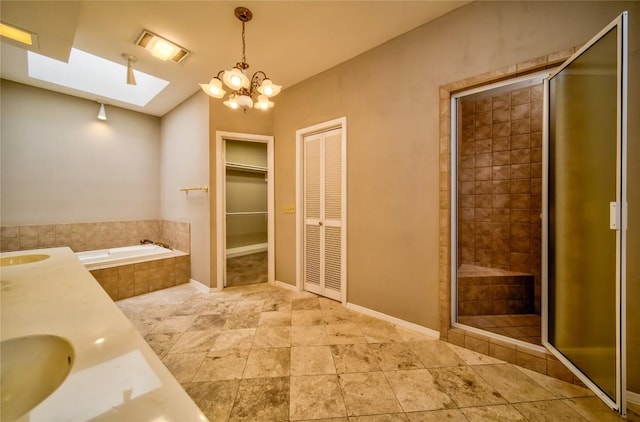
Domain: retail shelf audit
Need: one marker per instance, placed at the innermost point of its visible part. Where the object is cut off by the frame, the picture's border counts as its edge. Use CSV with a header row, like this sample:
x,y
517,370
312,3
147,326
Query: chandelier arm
x,y
256,80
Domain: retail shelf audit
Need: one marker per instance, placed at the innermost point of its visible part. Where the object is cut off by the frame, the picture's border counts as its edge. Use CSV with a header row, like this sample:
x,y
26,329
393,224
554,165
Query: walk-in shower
x,y
499,202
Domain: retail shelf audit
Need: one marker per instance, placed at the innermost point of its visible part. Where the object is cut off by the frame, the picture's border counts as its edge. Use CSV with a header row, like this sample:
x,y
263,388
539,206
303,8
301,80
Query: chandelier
x,y
245,92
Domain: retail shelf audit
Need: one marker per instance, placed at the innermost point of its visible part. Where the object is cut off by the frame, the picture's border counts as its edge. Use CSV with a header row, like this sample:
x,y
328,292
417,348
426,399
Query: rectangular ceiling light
x,y
161,47
17,34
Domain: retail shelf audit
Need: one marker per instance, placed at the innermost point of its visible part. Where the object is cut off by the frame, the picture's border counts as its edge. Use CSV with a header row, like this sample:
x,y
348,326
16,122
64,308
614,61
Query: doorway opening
x,y
497,185
245,209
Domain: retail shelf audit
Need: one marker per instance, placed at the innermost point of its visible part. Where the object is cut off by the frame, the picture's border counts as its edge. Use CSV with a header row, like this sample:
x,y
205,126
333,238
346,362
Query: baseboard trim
x,y
201,286
397,321
633,398
246,250
285,285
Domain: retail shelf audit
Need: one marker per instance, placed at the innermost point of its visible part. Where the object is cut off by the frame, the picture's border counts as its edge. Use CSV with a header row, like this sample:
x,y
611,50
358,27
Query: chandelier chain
x,y
244,59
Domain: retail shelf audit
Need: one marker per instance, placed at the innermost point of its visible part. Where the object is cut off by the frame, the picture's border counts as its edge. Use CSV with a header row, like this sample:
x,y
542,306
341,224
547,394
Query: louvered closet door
x,y
323,271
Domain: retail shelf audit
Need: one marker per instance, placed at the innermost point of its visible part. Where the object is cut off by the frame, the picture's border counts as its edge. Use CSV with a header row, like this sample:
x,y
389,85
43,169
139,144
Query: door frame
x,y
621,347
340,122
221,232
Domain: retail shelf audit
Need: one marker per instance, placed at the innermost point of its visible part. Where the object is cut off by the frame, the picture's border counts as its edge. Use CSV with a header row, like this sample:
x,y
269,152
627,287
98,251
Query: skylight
x,y
95,75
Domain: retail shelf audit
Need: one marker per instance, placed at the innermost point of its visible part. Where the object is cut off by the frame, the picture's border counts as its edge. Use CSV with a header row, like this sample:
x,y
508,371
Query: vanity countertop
x,y
115,376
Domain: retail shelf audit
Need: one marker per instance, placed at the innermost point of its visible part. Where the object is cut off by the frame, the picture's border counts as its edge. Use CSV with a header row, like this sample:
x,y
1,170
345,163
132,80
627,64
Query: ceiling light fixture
x,y
245,92
16,34
161,47
131,78
102,114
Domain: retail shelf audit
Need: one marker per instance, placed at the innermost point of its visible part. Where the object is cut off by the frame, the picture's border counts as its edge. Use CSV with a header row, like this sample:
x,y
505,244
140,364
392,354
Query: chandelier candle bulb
x,y
246,92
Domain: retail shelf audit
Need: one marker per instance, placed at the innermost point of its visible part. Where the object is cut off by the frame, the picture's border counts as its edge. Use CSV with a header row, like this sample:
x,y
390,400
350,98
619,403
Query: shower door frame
x,y
221,224
619,405
454,203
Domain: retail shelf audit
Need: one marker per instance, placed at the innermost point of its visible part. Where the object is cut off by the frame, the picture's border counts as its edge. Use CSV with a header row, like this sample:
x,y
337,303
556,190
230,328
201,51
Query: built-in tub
x,y
105,258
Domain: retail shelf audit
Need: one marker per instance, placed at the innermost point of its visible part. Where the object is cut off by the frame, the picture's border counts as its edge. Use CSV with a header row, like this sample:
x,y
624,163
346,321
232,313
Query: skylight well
x,y
95,75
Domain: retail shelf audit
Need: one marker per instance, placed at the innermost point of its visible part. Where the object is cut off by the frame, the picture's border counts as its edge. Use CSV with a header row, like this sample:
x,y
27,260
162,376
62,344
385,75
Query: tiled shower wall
x,y
499,182
91,236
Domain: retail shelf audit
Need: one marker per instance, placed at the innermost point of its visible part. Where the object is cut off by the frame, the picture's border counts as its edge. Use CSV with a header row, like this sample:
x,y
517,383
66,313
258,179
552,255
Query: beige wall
x,y
223,119
184,162
60,164
390,98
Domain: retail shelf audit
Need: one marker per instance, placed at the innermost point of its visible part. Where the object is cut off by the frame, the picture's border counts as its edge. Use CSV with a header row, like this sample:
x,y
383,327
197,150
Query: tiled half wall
x,y
92,236
136,279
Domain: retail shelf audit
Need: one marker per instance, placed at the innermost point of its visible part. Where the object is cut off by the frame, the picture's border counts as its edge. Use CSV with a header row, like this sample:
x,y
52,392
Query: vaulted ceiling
x,y
289,40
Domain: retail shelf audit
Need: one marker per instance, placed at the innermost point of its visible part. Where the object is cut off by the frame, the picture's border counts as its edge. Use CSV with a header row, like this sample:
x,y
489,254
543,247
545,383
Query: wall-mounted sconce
x,y
131,79
102,114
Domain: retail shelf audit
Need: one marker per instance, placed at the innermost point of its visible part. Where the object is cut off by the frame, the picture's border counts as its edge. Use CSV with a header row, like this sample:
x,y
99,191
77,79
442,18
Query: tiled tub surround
x,y
82,237
500,182
487,291
121,282
115,375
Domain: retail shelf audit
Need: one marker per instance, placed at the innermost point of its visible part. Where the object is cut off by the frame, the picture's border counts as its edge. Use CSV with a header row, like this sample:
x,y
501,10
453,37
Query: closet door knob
x,y
319,223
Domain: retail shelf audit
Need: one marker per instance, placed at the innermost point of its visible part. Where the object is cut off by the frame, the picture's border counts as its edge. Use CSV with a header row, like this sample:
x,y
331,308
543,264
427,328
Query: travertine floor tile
x,y
176,324
416,390
592,409
354,358
312,317
213,322
499,413
465,387
435,354
345,334
215,399
451,415
275,318
195,341
368,394
393,417
237,352
312,335
268,363
557,387
314,397
262,400
183,366
267,337
395,356
161,343
512,384
234,339
312,360
548,411
222,365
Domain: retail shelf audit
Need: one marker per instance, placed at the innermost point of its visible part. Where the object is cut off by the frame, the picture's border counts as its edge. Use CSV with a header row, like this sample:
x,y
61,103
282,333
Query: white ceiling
x,y
289,40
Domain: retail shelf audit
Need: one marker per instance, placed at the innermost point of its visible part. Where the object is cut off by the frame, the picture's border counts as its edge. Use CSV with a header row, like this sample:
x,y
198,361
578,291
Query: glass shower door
x,y
585,237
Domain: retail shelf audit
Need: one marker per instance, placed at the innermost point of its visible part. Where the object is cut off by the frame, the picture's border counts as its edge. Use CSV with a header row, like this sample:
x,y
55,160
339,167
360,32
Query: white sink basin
x,y
32,368
22,259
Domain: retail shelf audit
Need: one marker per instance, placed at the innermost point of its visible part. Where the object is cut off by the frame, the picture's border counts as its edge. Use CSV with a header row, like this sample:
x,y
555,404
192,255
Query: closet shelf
x,y
245,167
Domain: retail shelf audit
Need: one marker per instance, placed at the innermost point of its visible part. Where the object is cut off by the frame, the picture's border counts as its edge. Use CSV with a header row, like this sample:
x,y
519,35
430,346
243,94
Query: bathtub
x,y
106,258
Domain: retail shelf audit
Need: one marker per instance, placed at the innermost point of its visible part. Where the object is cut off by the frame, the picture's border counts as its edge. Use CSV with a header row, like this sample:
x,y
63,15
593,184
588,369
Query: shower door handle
x,y
614,215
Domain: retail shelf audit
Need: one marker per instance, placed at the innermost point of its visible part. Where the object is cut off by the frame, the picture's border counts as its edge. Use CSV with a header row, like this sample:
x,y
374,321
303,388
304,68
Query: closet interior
x,y
246,199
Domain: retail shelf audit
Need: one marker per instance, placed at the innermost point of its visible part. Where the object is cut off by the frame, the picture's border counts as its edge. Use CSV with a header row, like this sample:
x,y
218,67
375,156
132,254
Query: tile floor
x,y
262,353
